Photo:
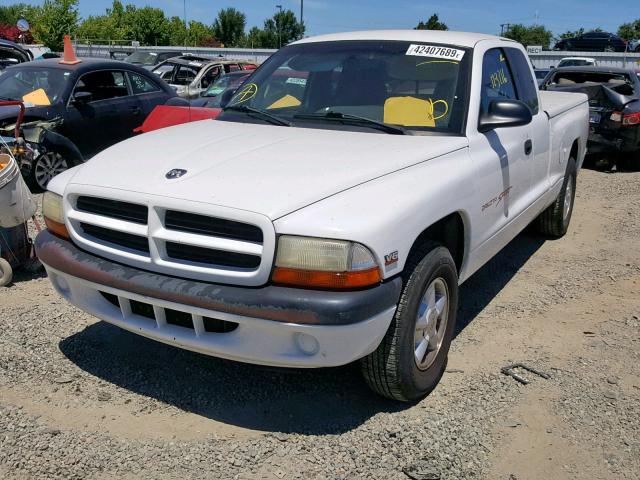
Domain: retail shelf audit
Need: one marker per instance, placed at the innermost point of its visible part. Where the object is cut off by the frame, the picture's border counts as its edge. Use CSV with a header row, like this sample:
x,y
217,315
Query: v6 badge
x,y
391,260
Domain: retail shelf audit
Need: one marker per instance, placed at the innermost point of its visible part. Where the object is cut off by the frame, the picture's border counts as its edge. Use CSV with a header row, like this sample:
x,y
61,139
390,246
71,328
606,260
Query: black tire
x,y
6,273
35,179
391,370
554,221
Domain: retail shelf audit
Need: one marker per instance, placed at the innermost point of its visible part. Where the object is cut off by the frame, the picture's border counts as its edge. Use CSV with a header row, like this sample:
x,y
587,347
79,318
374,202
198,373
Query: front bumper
x,y
276,326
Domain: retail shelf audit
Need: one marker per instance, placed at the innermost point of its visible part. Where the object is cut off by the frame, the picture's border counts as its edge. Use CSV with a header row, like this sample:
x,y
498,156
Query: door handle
x,y
528,147
135,110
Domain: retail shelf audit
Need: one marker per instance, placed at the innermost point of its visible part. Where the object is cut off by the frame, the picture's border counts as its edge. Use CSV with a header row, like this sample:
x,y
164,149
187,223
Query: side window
x,y
103,85
234,67
525,86
140,84
210,76
497,82
165,72
185,75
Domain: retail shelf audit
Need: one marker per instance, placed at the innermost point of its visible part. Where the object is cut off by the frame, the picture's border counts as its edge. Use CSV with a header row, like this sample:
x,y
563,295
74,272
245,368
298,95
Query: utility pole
x,y
184,10
278,18
301,11
502,28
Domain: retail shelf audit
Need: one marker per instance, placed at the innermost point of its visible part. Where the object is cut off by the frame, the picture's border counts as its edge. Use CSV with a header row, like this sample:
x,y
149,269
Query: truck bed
x,y
556,103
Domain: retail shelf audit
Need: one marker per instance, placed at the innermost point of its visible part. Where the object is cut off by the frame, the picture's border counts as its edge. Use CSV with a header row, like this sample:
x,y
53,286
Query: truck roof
x,y
462,39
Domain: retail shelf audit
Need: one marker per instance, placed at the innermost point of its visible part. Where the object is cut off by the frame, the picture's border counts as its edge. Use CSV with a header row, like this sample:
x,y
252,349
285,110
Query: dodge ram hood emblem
x,y
175,173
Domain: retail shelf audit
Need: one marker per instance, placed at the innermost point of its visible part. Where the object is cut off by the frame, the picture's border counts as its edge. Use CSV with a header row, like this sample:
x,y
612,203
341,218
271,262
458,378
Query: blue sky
x,y
325,16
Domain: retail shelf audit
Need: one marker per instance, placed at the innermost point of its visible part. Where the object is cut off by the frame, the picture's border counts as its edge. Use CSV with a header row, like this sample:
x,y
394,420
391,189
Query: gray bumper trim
x,y
282,304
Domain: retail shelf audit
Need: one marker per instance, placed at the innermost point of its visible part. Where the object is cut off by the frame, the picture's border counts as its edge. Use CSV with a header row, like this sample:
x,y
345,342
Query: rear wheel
x,y
45,167
412,357
554,221
6,273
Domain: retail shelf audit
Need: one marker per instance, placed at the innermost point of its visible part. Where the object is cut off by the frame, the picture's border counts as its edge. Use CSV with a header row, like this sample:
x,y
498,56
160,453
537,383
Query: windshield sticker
x,y
247,93
435,52
297,81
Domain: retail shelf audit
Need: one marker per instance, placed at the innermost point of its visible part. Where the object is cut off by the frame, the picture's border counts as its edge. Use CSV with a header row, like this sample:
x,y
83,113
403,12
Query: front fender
x,y
388,214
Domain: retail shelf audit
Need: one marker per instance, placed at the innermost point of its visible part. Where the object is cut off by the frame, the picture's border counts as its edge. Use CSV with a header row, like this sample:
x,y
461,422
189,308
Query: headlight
x,y
54,214
322,263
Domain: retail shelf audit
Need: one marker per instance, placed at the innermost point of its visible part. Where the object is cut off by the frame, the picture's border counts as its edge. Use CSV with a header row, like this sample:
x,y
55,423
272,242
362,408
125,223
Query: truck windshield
x,y
416,86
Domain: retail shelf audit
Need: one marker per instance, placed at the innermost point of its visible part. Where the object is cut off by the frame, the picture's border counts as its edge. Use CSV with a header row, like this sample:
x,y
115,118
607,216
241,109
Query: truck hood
x,y
261,168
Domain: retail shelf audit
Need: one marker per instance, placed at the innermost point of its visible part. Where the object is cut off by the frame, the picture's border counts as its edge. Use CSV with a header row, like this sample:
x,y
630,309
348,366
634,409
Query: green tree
x,y
10,14
55,19
283,28
110,26
177,31
433,23
148,25
199,34
253,39
630,31
228,27
570,34
533,35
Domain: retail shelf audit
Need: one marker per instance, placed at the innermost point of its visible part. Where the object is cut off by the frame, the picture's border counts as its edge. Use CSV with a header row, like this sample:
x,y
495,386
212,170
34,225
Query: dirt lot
x,y
82,399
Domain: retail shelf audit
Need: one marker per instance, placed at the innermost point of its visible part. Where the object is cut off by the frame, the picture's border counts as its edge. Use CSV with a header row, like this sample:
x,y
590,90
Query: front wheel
x,y
412,357
45,167
554,221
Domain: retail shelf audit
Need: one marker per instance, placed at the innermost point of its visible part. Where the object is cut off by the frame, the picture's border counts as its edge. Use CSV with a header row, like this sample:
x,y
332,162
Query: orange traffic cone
x,y
69,56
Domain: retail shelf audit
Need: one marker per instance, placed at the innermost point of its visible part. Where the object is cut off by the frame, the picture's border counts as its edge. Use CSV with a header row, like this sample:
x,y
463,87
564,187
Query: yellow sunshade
x,y
412,111
37,97
284,102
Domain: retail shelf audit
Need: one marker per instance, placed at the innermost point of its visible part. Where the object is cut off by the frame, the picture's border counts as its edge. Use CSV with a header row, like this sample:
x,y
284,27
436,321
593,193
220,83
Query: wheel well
x,y
449,232
574,150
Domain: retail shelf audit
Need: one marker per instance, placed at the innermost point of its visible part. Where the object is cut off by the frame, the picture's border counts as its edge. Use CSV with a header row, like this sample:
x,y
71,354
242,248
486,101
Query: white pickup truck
x,y
331,212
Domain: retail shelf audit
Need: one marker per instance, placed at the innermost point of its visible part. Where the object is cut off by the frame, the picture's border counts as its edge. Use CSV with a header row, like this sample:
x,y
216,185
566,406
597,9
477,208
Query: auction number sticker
x,y
432,51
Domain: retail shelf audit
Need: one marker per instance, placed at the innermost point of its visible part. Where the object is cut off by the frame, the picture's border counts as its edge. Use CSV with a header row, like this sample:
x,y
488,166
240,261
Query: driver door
x,y
107,117
503,161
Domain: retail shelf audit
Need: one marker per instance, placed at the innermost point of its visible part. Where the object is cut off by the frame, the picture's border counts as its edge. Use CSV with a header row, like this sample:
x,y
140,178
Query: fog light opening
x,y
307,344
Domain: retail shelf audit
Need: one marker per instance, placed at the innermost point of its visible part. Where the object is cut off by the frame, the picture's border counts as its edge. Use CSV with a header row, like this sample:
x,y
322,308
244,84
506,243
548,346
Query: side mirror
x,y
552,67
82,97
226,96
504,113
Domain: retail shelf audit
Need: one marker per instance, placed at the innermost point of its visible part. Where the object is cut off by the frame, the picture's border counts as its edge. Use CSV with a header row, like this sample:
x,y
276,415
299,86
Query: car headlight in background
x,y
323,263
53,213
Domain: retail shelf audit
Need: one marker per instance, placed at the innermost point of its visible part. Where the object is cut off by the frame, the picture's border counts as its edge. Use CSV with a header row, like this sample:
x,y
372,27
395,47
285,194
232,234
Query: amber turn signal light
x,y
56,228
329,280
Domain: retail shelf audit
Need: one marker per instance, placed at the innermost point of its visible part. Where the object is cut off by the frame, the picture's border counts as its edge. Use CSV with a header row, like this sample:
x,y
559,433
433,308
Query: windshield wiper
x,y
273,119
355,119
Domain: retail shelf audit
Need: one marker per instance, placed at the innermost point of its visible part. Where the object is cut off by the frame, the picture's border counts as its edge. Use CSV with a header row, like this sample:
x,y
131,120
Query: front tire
x,y
45,167
412,357
554,221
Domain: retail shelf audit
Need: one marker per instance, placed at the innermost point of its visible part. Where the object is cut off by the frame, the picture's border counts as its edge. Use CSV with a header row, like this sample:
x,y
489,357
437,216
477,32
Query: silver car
x,y
190,75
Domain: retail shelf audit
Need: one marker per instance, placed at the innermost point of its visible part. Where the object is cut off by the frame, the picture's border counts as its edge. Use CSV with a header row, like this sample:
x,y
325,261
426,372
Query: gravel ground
x,y
83,399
